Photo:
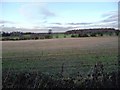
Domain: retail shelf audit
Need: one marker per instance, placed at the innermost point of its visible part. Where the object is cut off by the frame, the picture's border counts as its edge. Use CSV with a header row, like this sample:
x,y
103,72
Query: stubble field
x,y
51,55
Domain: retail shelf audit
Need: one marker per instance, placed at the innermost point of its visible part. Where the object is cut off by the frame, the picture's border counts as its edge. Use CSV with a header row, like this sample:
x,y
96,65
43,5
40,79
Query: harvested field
x,y
60,63
66,43
77,54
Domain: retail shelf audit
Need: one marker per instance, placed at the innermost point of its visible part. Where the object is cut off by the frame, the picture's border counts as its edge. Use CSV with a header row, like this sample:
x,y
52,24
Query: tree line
x,y
50,34
93,32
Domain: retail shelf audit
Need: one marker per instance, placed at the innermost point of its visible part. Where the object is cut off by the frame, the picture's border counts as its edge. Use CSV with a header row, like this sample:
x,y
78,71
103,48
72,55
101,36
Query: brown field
x,y
78,54
67,43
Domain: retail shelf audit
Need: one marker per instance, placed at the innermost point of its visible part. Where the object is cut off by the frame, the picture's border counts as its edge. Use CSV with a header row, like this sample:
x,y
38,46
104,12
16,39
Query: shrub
x,y
73,35
48,37
36,38
57,36
42,37
83,35
93,35
64,36
97,78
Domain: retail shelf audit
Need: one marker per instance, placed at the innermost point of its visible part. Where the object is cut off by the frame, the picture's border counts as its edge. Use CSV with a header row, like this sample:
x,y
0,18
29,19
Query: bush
x,y
101,34
73,35
36,38
117,33
83,35
64,36
57,36
95,79
93,35
42,37
48,37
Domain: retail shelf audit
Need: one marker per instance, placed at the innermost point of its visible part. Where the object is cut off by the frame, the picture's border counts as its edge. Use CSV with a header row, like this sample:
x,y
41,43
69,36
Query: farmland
x,y
98,32
48,59
77,54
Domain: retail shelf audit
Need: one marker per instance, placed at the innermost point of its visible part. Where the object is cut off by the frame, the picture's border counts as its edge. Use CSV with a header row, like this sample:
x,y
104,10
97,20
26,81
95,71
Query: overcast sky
x,y
58,16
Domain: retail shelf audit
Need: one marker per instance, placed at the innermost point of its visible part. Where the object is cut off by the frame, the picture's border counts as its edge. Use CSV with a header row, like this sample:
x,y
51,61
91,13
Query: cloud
x,y
36,12
14,29
8,29
6,22
110,13
56,23
47,13
78,23
111,18
61,28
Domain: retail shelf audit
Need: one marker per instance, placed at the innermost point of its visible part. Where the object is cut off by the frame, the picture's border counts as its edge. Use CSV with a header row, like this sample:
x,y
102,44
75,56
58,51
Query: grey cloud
x,y
110,17
107,14
6,22
110,20
113,18
36,27
104,25
47,13
60,28
85,23
11,29
56,23
8,29
78,23
36,11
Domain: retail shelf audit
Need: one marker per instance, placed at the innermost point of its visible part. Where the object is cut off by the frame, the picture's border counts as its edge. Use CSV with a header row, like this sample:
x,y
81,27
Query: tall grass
x,y
96,78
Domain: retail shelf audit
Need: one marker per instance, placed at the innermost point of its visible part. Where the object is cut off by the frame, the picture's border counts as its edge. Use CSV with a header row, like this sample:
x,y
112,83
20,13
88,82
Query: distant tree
x,y
64,36
110,33
117,32
57,36
49,35
36,38
15,33
50,31
79,35
5,34
83,35
42,37
73,35
93,35
101,34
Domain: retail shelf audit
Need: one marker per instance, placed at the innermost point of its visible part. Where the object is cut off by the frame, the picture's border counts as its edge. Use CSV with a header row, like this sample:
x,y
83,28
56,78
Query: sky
x,y
58,16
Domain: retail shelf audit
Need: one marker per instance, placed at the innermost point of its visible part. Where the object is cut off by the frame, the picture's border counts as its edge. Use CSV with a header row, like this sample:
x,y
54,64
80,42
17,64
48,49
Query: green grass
x,y
11,37
28,36
52,63
61,35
